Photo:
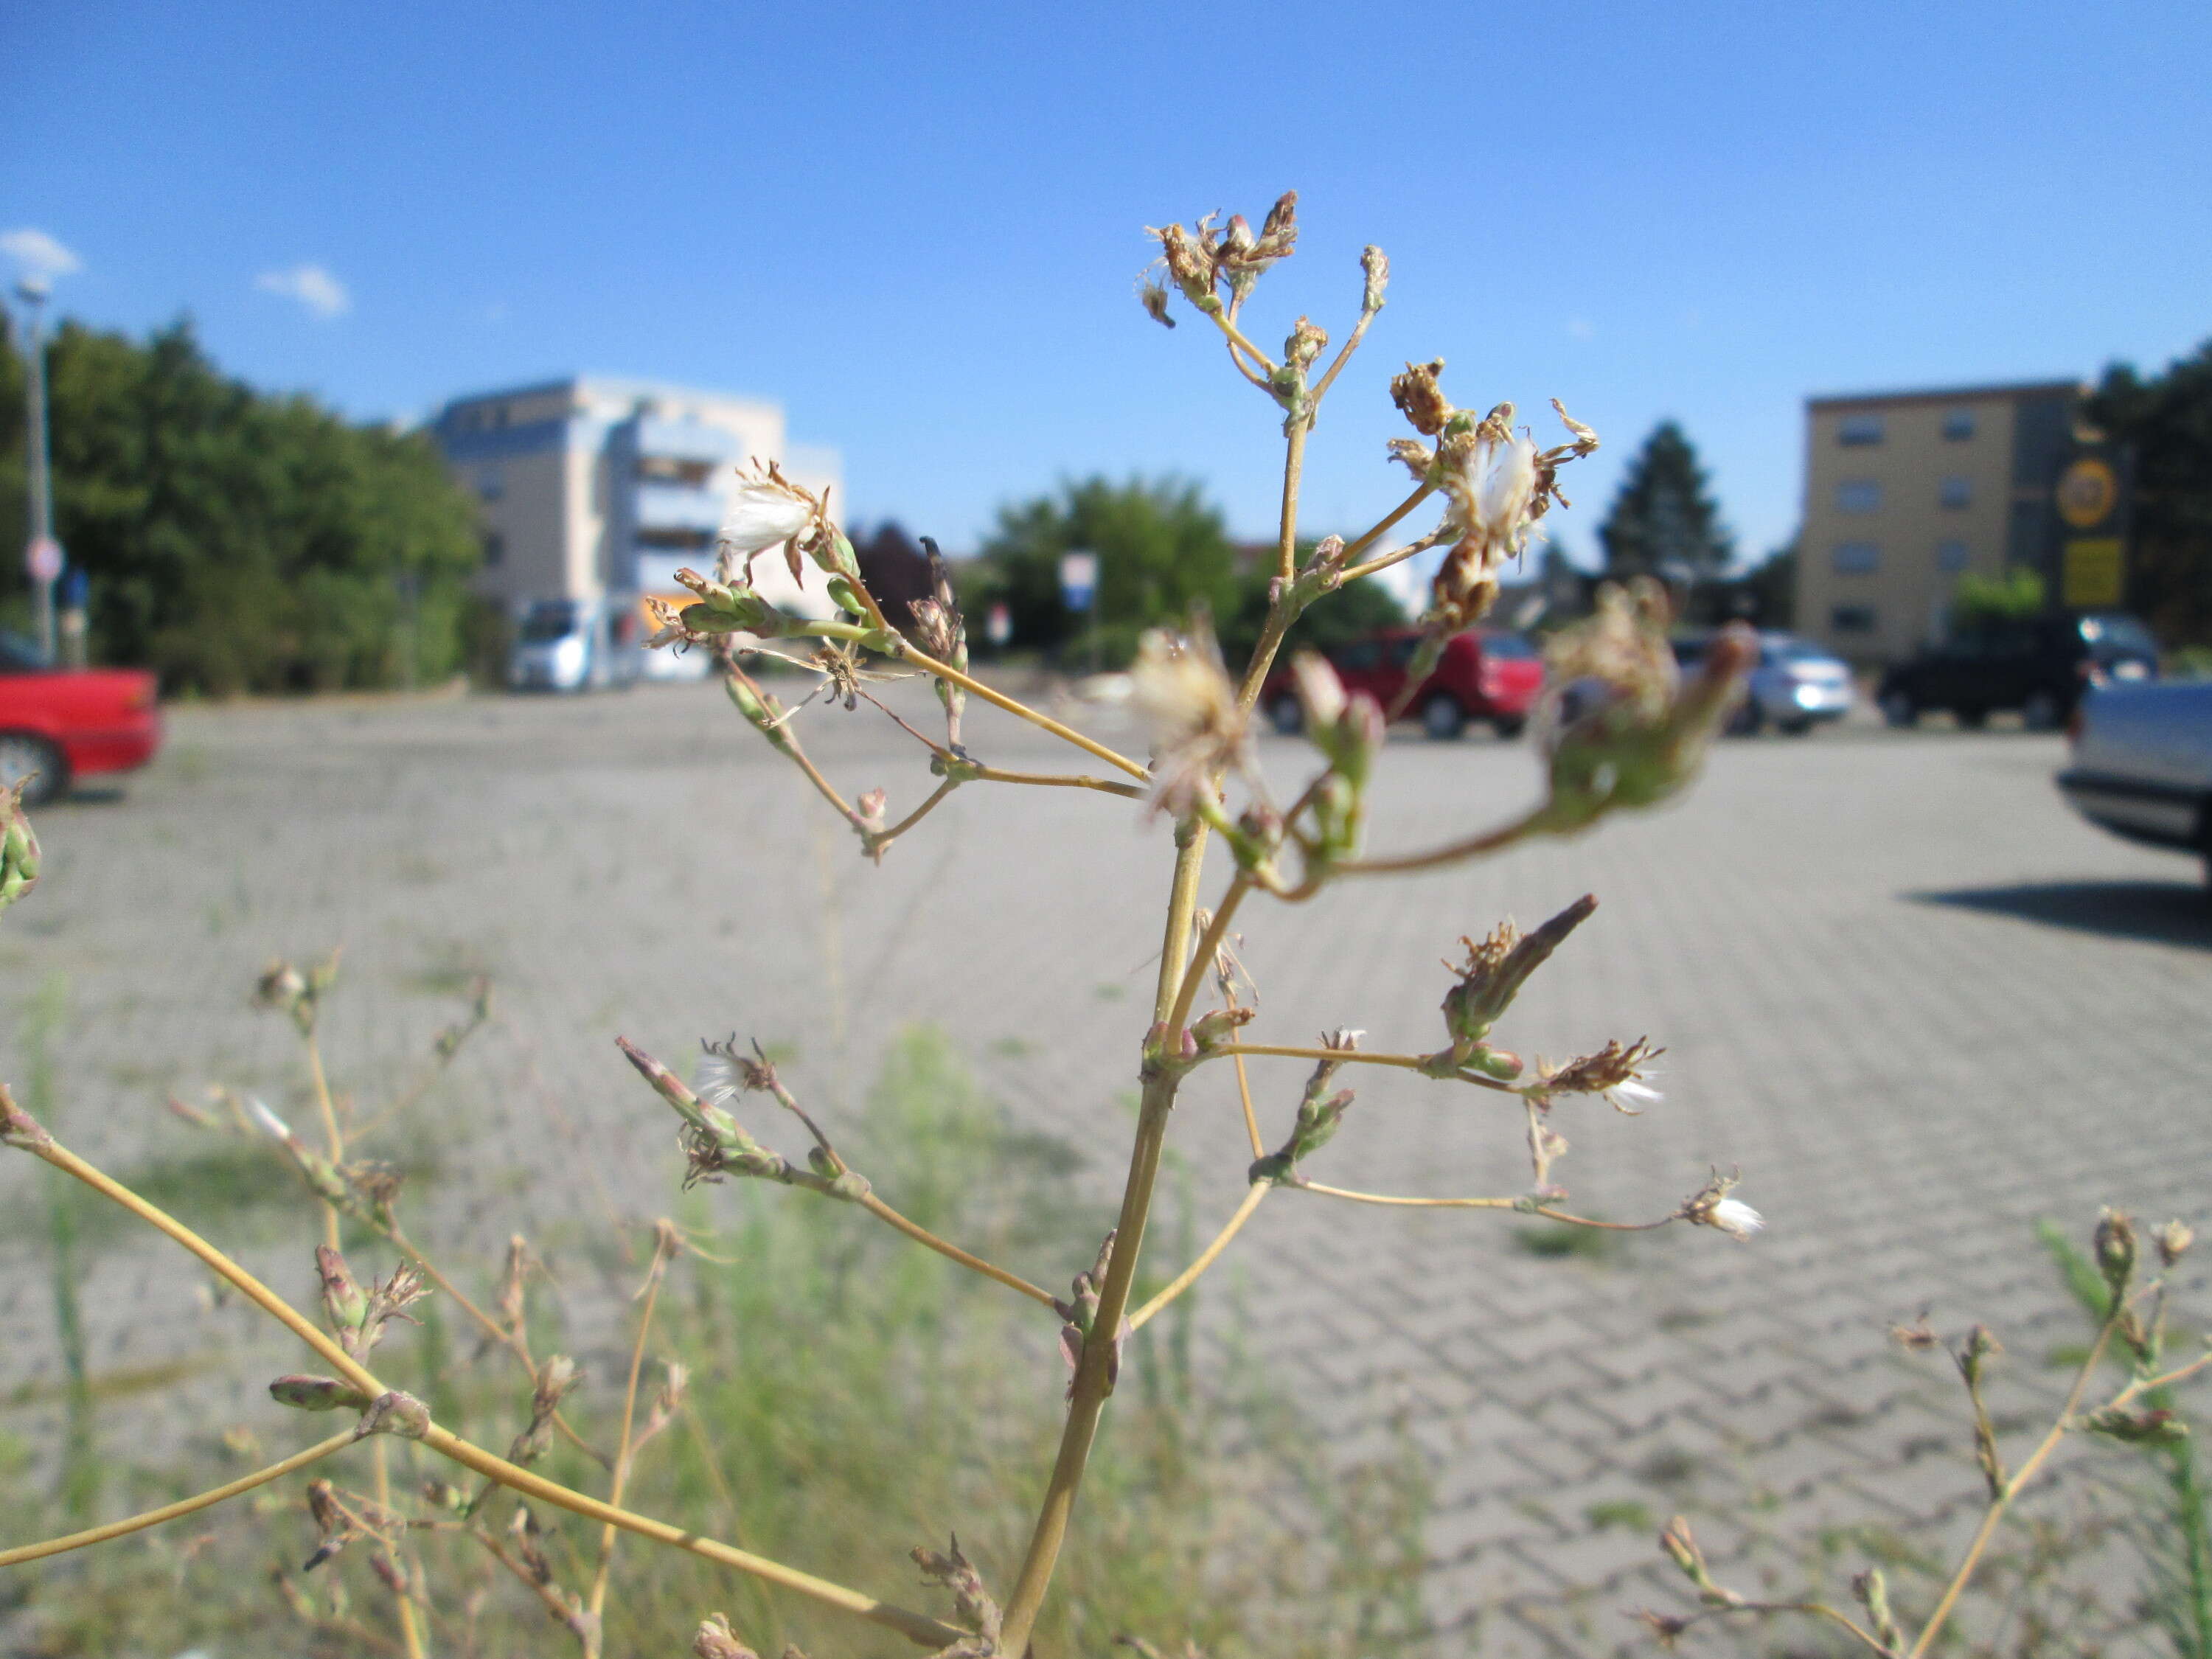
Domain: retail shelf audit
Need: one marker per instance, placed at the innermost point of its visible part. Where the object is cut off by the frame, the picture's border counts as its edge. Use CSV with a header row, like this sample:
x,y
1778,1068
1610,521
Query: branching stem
x,y
1190,1275
917,1627
183,1506
921,1234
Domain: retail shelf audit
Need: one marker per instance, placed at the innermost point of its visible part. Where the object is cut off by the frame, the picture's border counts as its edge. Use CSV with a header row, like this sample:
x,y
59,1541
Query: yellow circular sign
x,y
2088,492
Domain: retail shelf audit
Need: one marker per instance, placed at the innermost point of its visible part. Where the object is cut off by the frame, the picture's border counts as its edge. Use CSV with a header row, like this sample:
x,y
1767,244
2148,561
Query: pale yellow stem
x,y
917,1627
1189,1276
183,1506
621,1476
921,1234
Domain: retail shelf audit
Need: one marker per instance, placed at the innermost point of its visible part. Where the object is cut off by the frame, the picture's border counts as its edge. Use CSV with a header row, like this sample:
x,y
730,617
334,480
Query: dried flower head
x,y
766,510
716,1640
1620,1075
1499,484
2173,1240
1421,399
1198,733
1711,1206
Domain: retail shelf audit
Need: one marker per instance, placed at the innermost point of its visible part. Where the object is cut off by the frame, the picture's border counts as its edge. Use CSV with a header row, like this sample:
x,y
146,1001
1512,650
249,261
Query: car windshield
x,y
1510,648
19,656
1796,651
2115,635
549,620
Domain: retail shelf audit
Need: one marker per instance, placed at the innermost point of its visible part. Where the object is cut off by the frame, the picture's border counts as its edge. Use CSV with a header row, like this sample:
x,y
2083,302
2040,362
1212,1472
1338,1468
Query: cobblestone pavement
x,y
1899,984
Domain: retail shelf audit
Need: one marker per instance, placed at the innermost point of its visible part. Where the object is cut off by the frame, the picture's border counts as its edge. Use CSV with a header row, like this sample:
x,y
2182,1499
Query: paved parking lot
x,y
1916,1000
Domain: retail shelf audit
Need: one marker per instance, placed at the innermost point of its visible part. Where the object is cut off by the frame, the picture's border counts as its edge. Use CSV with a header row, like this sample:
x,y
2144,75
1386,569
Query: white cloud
x,y
39,254
322,294
1579,328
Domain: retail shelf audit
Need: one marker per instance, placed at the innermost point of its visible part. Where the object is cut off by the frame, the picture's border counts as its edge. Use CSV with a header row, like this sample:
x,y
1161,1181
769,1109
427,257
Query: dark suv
x,y
2039,665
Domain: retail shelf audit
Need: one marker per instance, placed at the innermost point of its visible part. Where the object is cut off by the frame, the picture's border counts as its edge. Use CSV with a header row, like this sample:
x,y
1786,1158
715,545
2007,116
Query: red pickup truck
x,y
68,723
1485,674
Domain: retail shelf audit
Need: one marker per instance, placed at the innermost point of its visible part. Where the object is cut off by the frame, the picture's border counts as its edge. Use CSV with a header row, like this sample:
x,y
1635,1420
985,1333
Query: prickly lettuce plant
x,y
1635,736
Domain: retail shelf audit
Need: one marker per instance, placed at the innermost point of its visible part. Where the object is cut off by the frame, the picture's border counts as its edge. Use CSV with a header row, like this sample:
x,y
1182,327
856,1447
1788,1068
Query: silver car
x,y
2142,763
1797,685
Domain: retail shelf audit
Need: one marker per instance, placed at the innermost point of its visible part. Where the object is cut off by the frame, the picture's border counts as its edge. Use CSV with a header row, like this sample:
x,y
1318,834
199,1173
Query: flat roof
x,y
608,385
1956,394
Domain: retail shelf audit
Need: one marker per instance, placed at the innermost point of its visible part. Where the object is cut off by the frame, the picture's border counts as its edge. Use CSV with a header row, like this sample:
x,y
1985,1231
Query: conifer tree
x,y
1663,521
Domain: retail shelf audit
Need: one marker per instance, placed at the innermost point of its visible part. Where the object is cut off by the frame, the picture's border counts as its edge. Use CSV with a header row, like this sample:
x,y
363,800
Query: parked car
x,y
1485,674
577,645
2039,665
2142,764
63,724
1795,686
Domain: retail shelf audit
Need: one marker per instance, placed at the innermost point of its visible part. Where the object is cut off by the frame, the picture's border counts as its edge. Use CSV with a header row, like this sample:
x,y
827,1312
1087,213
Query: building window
x,y
1951,557
668,469
1855,558
495,550
1958,425
682,540
1851,619
490,484
1956,491
1860,429
1858,495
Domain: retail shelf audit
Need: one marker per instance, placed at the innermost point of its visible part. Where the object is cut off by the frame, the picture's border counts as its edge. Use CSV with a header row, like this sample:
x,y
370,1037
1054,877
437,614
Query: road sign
x,y
43,558
1079,579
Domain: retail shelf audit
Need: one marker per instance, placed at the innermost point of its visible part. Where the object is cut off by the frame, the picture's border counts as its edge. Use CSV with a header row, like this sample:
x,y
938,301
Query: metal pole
x,y
33,296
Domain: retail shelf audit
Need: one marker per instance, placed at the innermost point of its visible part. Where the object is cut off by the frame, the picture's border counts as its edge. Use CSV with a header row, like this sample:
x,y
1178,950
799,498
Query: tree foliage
x,y
235,540
1663,518
1162,549
2166,419
2014,595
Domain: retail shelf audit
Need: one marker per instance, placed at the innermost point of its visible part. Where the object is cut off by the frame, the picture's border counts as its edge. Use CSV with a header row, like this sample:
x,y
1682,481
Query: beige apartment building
x,y
592,487
1907,491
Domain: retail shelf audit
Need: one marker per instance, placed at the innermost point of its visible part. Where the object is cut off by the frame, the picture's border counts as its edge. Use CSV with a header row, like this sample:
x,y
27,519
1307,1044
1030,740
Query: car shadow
x,y
90,795
2164,912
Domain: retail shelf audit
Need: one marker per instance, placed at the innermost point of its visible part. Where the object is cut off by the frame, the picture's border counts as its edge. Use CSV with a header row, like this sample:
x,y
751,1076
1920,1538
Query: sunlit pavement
x,y
1917,1001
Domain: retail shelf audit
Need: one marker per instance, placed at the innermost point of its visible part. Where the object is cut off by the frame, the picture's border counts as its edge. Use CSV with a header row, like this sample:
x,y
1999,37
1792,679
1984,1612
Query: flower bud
x,y
1376,265
19,848
2115,1244
395,1412
317,1394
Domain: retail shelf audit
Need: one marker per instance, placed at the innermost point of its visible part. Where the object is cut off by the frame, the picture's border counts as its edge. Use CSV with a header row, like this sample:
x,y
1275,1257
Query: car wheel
x,y
24,756
1746,720
1286,716
1510,726
1795,728
2041,711
1973,719
1898,708
1441,717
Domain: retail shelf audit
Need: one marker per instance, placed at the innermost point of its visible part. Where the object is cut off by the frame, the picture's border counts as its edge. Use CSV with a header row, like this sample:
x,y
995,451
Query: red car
x,y
1486,674
68,723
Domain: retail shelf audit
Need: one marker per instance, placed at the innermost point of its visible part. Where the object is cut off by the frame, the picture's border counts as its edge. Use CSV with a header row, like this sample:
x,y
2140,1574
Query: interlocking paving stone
x,y
1917,1002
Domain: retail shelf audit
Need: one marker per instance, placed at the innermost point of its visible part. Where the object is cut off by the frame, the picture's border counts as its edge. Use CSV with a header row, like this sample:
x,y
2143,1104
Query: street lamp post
x,y
41,557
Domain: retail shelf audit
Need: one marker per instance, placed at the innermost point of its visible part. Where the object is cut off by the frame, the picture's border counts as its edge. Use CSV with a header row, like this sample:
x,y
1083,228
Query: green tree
x,y
1354,613
1162,548
1663,519
2015,595
2168,421
237,540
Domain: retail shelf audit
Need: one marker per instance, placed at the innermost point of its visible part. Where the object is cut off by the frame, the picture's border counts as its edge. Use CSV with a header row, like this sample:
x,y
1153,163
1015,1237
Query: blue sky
x,y
920,227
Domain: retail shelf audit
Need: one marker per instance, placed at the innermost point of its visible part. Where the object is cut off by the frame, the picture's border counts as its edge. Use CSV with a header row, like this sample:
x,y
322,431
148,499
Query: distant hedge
x,y
238,541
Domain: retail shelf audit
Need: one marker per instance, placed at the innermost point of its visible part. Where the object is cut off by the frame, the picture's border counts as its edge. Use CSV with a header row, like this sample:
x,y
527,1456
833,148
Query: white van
x,y
577,645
